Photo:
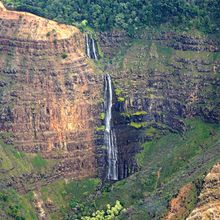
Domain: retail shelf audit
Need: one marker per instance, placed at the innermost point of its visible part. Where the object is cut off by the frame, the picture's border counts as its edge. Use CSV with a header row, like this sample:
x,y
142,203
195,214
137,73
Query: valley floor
x,y
165,166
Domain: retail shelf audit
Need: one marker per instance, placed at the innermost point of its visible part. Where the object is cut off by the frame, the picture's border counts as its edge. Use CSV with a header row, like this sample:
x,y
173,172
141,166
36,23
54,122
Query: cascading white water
x,y
91,48
88,47
109,136
94,49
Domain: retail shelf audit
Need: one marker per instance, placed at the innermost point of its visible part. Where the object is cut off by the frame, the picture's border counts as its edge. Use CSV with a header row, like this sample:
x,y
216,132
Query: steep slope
x,y
180,205
50,93
160,79
165,108
170,177
208,206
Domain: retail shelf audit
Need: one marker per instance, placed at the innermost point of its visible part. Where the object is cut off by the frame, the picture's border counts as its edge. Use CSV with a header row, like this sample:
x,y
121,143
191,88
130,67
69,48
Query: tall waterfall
x,y
94,49
91,48
109,136
87,47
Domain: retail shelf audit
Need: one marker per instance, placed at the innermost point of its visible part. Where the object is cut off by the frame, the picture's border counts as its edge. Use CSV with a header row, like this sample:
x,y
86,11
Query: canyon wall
x,y
51,104
50,93
160,80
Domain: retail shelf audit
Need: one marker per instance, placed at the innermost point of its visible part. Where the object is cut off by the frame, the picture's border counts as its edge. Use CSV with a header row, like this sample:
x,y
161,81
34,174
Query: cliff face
x,y
178,208
198,200
208,206
160,80
50,94
111,42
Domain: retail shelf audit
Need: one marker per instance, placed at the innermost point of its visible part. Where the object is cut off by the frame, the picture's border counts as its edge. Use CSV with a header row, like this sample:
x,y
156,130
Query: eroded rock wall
x,y
50,94
112,42
160,80
208,206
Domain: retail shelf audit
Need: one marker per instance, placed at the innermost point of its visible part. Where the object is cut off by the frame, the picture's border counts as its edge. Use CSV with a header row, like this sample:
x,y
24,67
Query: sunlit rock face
x,y
50,94
178,206
208,206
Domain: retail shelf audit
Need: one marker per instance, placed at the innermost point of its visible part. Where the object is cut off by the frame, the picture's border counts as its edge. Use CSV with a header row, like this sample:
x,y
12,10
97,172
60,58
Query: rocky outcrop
x,y
111,42
183,41
208,206
179,206
50,94
39,206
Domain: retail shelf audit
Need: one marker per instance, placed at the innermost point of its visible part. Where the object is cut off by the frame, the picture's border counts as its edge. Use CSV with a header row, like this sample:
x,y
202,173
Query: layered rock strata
x,y
160,81
50,93
208,206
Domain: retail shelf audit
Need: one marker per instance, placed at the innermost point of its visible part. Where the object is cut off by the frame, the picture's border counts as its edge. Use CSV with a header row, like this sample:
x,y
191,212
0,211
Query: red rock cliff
x,y
49,91
208,206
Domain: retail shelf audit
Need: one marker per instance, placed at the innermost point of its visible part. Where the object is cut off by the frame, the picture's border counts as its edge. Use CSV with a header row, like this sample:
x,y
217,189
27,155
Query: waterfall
x,y
109,135
87,47
94,49
91,48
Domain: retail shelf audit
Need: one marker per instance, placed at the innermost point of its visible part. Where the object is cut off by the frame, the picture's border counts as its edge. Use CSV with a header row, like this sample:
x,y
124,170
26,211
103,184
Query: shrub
x,y
108,214
64,55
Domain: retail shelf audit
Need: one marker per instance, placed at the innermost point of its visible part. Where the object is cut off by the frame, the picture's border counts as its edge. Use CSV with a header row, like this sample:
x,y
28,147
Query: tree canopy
x,y
129,15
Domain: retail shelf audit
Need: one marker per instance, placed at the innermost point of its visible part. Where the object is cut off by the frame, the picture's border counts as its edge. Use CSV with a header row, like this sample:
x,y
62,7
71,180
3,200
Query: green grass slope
x,y
179,159
166,164
14,164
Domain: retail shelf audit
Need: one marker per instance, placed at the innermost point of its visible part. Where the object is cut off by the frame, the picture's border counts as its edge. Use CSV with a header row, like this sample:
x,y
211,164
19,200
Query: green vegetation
x,y
152,132
60,194
172,156
128,115
14,206
64,55
198,138
80,190
139,57
118,91
166,165
139,113
70,195
102,116
100,52
38,162
15,163
191,200
101,128
138,125
121,99
129,15
108,214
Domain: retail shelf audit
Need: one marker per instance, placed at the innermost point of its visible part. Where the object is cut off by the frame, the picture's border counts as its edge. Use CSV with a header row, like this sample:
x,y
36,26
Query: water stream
x,y
87,47
109,135
94,49
91,48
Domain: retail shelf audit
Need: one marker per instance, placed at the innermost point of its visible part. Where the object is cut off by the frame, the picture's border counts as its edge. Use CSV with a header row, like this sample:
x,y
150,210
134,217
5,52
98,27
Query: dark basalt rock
x,y
112,41
189,88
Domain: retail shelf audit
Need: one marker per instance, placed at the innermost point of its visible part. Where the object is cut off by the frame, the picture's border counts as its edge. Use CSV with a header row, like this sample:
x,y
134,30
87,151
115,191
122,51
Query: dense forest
x,y
130,15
